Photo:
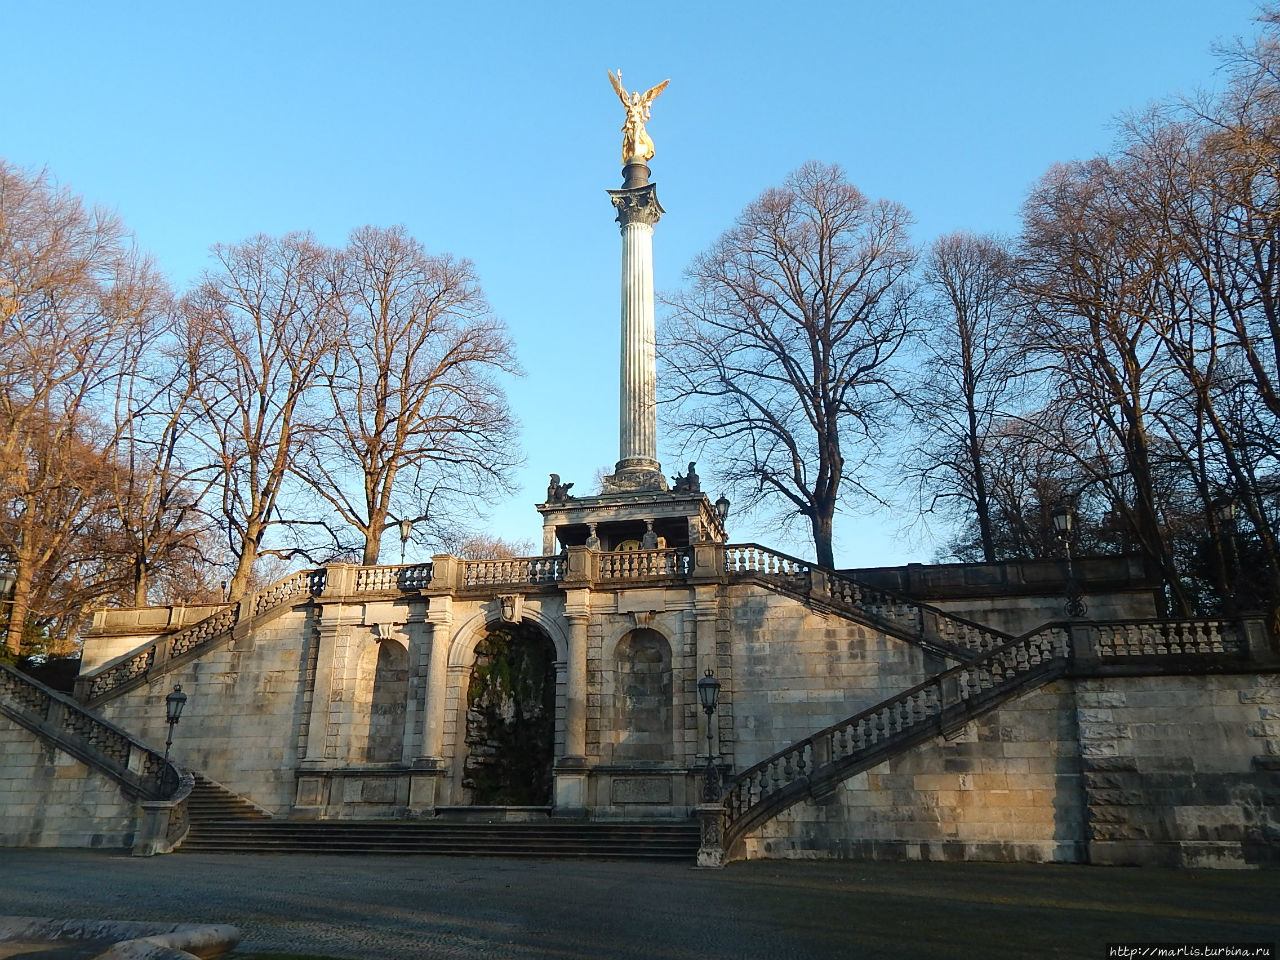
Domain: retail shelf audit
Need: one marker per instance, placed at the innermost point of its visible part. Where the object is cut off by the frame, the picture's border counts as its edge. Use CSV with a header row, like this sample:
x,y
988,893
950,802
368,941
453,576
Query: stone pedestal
x,y
570,791
711,851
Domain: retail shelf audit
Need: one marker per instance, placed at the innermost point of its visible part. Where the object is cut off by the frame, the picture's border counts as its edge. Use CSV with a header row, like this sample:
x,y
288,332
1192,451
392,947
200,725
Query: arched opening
x,y
642,699
511,715
381,692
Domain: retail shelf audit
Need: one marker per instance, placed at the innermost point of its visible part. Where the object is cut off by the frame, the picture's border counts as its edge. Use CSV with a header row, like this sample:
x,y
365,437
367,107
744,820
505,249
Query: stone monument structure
x,y
635,508
918,712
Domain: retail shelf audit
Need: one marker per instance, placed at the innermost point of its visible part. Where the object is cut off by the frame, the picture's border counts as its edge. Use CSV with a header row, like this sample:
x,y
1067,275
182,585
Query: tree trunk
x,y
822,538
140,581
19,607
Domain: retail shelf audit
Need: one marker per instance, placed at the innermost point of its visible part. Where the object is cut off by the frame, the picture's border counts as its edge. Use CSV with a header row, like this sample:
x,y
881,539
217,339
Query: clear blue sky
x,y
490,131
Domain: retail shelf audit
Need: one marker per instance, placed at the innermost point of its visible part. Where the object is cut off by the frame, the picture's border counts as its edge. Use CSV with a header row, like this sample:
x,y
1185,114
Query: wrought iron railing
x,y
816,764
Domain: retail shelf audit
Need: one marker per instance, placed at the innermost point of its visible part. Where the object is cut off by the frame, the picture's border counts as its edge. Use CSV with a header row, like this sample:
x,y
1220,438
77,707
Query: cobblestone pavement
x,y
406,908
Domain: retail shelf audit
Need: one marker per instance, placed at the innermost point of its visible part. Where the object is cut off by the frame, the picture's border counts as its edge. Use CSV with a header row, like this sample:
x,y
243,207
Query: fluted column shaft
x,y
638,211
637,405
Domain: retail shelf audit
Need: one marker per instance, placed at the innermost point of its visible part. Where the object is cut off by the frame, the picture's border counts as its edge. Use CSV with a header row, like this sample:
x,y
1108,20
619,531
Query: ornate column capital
x,y
637,204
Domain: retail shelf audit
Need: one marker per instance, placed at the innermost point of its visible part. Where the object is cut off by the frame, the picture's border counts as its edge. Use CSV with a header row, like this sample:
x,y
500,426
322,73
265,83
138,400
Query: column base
x,y
635,475
570,787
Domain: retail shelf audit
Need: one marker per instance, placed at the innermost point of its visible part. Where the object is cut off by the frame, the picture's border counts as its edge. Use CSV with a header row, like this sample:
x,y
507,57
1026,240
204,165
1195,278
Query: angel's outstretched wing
x,y
652,93
618,88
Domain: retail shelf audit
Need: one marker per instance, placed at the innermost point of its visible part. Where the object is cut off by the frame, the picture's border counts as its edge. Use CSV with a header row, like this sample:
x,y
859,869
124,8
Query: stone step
x,y
211,801
672,840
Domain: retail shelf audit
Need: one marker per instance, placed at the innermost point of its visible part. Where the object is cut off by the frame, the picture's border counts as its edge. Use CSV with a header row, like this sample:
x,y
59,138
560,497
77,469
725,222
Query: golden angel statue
x,y
636,145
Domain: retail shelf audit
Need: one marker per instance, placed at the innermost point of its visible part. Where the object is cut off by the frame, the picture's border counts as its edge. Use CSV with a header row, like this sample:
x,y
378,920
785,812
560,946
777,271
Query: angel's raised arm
x,y
618,88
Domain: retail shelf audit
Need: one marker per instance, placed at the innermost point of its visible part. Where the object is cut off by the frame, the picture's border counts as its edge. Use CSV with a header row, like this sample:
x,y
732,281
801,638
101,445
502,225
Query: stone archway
x,y
510,718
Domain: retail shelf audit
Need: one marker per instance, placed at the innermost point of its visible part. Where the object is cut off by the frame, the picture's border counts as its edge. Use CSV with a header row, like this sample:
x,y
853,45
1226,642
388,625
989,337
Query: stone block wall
x,y
48,798
244,712
1006,787
1182,771
791,671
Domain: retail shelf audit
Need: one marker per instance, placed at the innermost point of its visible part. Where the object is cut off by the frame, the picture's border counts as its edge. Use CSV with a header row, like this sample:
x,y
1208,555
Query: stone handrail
x,y
814,766
644,564
955,635
165,823
742,559
143,772
516,570
302,583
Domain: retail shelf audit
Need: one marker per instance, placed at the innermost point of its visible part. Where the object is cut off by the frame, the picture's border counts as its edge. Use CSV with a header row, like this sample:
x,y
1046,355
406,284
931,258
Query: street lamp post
x,y
173,705
1224,512
406,528
1064,527
708,694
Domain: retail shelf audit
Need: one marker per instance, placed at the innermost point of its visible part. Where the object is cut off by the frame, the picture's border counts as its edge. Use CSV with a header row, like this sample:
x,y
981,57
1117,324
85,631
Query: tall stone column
x,y
638,211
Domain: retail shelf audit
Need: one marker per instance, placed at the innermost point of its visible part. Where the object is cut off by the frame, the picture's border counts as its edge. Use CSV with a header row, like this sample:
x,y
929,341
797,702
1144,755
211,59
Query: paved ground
x,y
416,908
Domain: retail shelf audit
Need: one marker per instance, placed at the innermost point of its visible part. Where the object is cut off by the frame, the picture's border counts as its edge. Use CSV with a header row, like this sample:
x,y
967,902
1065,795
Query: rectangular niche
x,y
640,790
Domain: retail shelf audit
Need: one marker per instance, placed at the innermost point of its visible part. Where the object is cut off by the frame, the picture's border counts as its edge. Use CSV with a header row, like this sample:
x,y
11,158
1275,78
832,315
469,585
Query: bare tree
x,y
779,351
1092,277
157,488
260,332
417,416
77,308
484,546
973,372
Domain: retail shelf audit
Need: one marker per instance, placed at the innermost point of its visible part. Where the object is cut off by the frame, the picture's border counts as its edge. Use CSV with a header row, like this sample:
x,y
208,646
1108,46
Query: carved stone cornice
x,y
637,204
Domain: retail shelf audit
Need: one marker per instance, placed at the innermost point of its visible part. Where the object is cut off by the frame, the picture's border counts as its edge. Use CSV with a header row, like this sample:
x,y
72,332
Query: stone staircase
x,y
212,802
163,654
225,822
142,771
547,838
936,630
814,767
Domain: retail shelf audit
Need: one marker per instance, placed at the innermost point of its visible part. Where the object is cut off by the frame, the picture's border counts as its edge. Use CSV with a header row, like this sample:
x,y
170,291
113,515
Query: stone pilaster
x,y
571,767
330,638
439,622
575,728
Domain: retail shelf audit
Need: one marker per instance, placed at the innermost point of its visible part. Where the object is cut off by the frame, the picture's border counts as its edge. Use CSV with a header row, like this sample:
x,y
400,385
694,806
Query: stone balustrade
x,y
644,564
582,566
1122,639
517,570
144,772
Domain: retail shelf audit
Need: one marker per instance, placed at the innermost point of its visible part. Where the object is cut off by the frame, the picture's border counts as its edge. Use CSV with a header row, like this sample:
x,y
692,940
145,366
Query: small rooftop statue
x,y
637,147
558,492
687,483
